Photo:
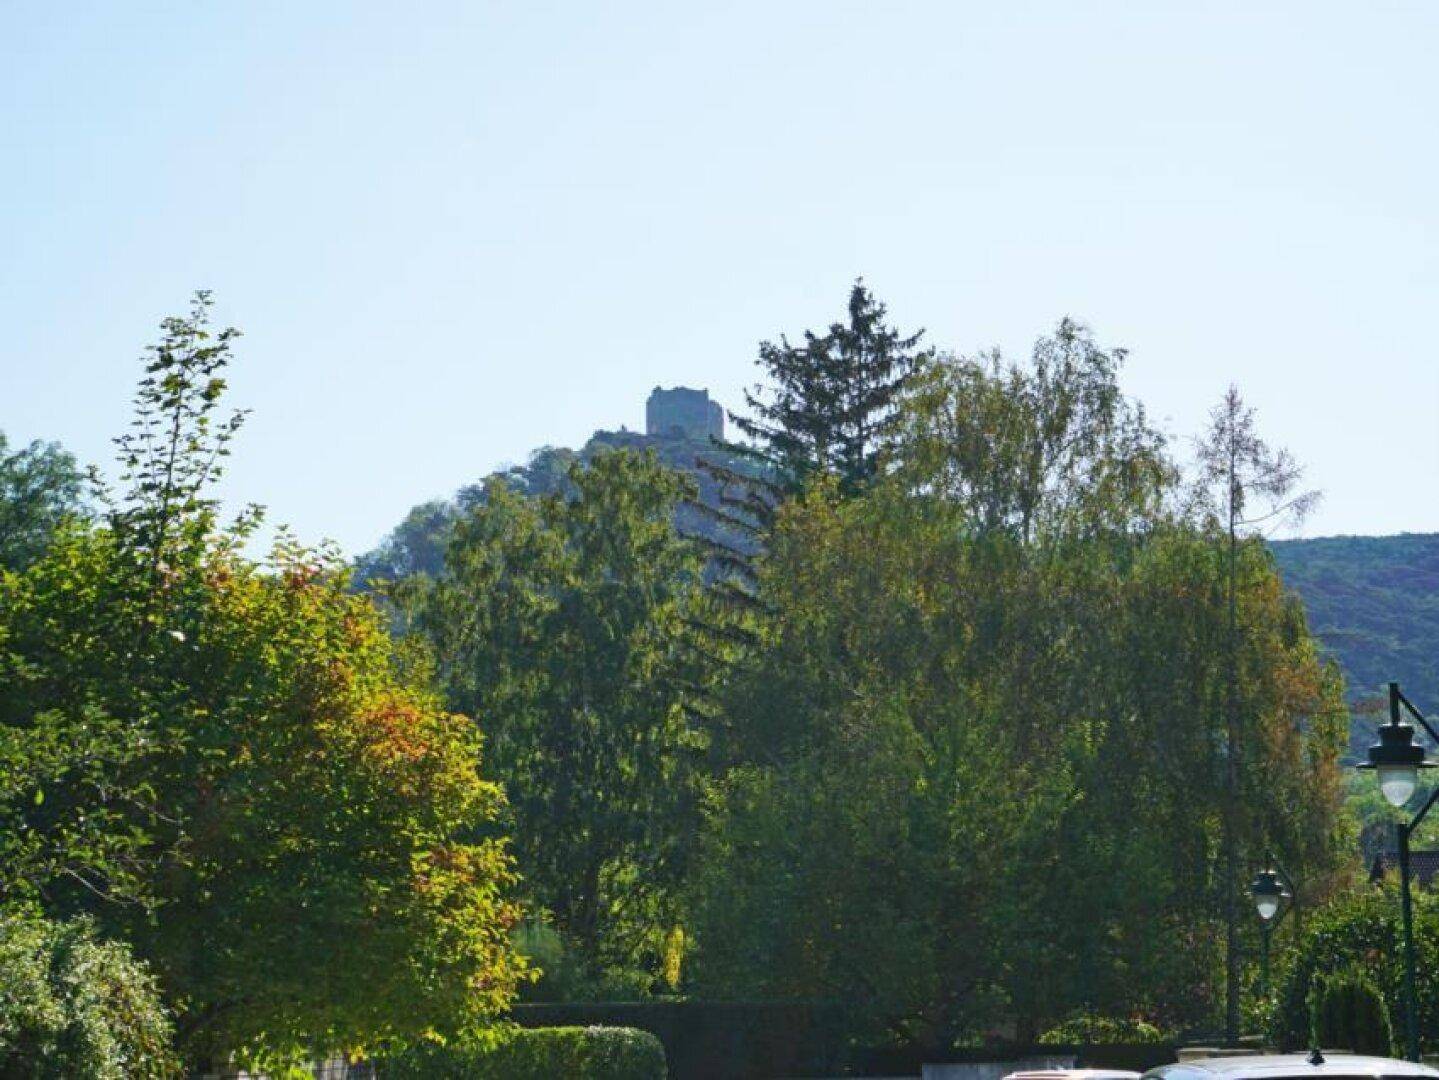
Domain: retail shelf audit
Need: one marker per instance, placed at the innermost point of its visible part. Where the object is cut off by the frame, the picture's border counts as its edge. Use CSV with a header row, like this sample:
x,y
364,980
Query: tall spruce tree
x,y
825,408
828,404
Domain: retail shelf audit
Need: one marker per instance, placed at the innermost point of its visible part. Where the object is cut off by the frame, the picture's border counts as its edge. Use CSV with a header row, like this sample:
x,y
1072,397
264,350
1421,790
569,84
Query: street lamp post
x,y
1270,889
1396,760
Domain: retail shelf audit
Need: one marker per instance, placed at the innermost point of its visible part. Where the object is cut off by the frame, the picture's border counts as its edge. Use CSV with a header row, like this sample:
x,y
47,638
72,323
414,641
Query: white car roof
x,y
1274,1066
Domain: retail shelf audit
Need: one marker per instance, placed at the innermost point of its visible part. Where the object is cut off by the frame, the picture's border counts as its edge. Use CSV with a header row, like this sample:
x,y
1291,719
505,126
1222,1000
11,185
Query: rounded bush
x,y
1349,1013
73,1005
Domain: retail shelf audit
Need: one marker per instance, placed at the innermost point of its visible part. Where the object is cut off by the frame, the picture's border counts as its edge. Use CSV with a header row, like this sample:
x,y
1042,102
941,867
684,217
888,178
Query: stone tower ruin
x,y
683,413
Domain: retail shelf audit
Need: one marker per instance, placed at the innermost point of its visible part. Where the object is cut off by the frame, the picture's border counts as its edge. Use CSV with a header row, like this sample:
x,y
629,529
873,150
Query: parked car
x,y
1072,1074
1317,1066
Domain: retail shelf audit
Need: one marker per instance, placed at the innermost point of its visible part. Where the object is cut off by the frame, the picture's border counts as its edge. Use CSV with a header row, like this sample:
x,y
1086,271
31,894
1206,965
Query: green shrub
x,y
564,978
1085,1030
1349,1013
72,1005
1360,933
558,1053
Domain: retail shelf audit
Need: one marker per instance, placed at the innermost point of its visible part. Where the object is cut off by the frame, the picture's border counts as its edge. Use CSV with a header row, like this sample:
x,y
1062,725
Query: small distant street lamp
x,y
1396,759
1270,889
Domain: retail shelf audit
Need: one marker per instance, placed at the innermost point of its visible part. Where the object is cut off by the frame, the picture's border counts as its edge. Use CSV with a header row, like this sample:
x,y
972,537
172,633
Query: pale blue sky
x,y
455,232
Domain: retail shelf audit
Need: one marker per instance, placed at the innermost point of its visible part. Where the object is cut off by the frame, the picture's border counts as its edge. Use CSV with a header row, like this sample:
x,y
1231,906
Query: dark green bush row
x,y
750,1038
558,1053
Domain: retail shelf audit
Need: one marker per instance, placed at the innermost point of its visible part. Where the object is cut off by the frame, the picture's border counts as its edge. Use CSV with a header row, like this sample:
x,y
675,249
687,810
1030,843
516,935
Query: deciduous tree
x,y
572,624
971,758
40,486
226,763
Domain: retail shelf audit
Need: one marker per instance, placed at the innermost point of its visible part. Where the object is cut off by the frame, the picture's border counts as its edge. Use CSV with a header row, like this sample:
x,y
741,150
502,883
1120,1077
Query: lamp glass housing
x,y
1268,905
1397,783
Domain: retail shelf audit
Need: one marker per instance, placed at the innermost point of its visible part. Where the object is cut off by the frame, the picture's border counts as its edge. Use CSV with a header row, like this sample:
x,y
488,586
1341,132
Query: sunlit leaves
x,y
226,763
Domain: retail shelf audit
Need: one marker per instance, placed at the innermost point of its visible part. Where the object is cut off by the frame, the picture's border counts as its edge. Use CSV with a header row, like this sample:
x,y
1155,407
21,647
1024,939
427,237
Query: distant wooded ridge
x,y
1374,601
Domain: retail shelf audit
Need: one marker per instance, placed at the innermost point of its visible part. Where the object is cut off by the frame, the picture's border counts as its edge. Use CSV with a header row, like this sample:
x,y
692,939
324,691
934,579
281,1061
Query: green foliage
x,y
177,444
1084,1029
570,625
227,764
826,411
1046,448
957,760
564,973
576,1053
933,808
1243,486
1359,938
417,544
543,948
672,958
1373,600
40,487
827,406
1349,1013
73,1005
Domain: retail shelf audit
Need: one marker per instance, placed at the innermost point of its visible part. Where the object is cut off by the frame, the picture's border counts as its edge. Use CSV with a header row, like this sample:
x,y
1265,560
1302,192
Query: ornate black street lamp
x,y
1396,759
1270,889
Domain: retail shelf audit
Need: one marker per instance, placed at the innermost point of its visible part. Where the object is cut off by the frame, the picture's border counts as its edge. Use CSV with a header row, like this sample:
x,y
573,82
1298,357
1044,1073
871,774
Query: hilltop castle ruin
x,y
683,413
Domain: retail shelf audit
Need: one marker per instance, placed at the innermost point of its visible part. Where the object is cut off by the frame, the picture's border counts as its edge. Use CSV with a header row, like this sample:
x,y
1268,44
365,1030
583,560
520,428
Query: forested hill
x,y
1374,600
416,544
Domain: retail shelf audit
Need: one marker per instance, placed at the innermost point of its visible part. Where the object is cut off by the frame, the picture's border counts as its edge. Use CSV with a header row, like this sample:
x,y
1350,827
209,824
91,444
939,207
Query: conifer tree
x,y
1237,470
829,402
826,407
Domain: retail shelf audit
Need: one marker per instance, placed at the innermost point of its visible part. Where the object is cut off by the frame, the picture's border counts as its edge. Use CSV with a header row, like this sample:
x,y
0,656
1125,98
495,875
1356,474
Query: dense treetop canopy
x,y
953,694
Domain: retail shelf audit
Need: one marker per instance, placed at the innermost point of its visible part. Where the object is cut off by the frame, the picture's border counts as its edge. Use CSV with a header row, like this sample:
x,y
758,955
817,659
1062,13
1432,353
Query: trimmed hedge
x,y
555,1053
1349,1012
1086,1030
717,1040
